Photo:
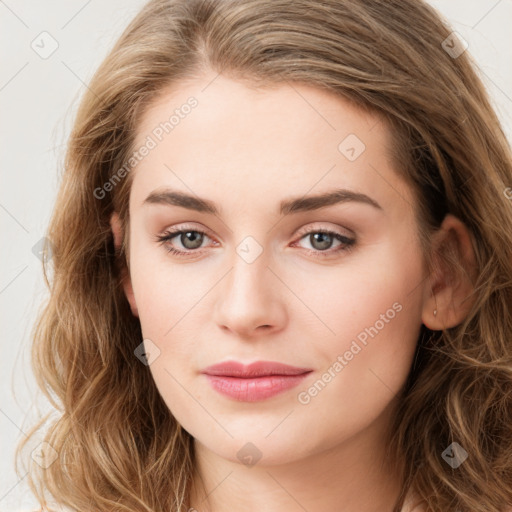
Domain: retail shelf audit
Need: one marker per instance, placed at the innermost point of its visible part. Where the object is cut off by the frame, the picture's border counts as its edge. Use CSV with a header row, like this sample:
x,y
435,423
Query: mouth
x,y
255,382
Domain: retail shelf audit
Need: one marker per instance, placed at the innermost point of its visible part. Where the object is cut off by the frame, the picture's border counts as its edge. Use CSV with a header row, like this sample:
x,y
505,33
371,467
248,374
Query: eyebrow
x,y
288,206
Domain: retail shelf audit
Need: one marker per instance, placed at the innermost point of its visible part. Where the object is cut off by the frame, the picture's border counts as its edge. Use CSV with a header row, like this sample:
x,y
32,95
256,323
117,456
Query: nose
x,y
250,302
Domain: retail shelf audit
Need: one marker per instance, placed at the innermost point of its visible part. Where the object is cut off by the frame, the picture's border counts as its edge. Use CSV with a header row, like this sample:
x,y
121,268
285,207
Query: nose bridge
x,y
249,267
248,298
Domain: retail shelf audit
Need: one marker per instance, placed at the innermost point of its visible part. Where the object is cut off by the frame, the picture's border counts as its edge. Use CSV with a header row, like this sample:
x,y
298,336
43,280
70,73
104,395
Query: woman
x,y
281,268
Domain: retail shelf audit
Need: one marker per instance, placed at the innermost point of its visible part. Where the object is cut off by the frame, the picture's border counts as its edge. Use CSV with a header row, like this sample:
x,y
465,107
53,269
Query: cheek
x,y
165,296
372,297
365,364
376,318
164,291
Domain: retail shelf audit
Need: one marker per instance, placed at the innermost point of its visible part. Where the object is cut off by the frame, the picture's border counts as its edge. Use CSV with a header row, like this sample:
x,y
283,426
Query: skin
x,y
247,150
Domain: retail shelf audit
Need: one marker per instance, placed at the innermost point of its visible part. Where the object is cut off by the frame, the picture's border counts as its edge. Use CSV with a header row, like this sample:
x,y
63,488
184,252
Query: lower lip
x,y
253,390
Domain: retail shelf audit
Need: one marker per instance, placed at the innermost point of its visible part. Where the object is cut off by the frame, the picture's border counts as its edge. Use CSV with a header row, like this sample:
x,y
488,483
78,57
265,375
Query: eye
x,y
190,240
321,240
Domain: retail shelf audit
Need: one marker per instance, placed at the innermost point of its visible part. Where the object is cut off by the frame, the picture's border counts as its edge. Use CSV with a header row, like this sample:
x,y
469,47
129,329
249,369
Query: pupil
x,y
323,238
189,237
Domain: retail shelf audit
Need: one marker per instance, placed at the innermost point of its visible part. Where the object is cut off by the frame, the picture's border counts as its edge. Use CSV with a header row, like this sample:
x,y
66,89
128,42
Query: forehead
x,y
215,135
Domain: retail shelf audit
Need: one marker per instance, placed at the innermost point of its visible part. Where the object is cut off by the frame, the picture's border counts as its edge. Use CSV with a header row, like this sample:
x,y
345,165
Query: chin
x,y
251,448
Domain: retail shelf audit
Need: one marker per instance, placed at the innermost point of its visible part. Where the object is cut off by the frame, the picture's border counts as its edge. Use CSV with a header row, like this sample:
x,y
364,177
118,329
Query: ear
x,y
448,290
115,224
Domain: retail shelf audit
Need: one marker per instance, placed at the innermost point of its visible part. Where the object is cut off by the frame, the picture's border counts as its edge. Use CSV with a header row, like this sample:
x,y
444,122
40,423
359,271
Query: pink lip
x,y
254,382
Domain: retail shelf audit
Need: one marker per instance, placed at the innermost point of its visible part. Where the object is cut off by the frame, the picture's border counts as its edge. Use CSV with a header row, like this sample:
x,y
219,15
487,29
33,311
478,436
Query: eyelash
x,y
347,244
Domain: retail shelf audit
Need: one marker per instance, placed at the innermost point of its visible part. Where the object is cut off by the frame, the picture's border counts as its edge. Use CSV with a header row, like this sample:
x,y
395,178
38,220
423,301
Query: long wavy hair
x,y
119,447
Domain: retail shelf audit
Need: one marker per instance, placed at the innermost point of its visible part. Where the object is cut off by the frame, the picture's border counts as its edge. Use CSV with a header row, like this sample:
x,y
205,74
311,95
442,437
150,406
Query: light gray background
x,y
38,98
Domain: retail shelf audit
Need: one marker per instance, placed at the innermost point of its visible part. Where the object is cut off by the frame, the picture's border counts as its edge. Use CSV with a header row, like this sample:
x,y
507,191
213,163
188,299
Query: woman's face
x,y
253,170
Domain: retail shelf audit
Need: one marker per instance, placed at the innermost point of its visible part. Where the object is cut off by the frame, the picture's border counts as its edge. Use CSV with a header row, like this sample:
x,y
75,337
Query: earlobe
x,y
115,224
448,293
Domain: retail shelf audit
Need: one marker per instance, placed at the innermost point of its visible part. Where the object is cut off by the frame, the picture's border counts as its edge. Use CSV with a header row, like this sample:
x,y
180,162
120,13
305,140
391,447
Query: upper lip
x,y
256,369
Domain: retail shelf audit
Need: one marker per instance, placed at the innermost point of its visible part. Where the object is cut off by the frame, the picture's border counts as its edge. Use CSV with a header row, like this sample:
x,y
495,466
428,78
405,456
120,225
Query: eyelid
x,y
187,227
305,230
321,227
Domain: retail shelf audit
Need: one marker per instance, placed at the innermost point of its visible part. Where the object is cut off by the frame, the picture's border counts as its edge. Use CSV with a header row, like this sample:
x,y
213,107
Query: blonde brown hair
x,y
119,447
